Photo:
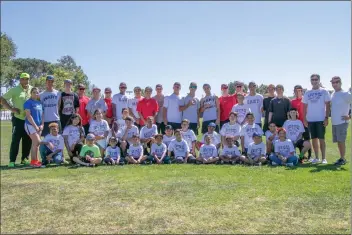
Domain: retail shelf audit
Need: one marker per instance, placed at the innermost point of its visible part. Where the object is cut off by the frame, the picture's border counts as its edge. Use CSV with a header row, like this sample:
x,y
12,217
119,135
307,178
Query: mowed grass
x,y
176,198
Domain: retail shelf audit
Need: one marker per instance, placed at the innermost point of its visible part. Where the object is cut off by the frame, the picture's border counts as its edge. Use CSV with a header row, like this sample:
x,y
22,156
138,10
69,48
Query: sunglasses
x,y
238,86
107,92
123,87
337,82
81,89
314,79
193,87
137,90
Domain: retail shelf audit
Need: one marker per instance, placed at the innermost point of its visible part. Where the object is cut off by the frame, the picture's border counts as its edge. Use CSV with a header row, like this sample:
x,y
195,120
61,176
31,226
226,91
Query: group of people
x,y
163,129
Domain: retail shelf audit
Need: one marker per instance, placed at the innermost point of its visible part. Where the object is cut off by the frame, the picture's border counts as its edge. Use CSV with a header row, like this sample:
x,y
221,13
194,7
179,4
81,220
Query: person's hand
x,y
305,122
37,129
15,110
50,146
49,157
217,122
41,127
326,122
165,122
158,161
346,118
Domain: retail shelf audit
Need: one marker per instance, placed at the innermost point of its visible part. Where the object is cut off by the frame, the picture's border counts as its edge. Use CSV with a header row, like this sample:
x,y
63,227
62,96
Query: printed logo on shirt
x,y
314,97
292,130
122,99
68,107
250,131
208,152
256,151
89,153
254,101
284,149
50,101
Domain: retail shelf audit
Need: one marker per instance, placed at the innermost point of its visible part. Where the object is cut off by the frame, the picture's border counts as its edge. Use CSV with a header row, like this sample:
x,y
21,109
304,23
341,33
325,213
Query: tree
x,y
232,87
8,53
36,68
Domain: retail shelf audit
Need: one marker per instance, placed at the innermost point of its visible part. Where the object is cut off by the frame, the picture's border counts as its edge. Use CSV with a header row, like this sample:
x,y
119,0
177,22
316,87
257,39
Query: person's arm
x,y
7,106
202,108
184,106
113,110
242,143
141,154
217,110
327,113
68,147
141,117
163,155
165,115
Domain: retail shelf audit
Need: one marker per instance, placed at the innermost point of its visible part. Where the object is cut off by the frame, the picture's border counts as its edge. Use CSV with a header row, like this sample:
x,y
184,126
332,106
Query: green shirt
x,y
92,151
18,96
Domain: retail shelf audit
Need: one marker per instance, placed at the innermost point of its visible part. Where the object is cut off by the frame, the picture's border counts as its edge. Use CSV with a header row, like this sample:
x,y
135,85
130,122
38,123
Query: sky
x,y
145,43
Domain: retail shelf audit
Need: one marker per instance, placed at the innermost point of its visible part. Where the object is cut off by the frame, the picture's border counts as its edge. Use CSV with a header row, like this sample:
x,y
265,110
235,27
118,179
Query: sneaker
x,y
340,162
311,159
11,165
273,163
43,166
221,162
25,162
289,164
35,164
91,165
324,161
315,160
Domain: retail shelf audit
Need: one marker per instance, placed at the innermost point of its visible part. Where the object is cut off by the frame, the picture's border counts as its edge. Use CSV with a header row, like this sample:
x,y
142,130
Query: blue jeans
x,y
58,158
292,159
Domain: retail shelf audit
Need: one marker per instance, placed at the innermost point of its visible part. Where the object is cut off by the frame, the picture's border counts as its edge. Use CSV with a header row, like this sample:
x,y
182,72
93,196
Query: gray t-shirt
x,y
50,102
209,113
191,113
160,100
96,104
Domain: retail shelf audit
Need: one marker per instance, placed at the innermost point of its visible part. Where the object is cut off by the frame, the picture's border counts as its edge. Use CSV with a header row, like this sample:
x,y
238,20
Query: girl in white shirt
x,y
74,136
100,128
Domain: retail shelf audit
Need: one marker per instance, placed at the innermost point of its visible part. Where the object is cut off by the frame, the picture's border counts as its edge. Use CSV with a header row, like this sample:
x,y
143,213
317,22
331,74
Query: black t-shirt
x,y
69,103
279,107
266,104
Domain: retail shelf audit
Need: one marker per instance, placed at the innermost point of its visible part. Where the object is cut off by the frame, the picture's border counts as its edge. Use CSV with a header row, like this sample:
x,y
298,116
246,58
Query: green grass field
x,y
176,198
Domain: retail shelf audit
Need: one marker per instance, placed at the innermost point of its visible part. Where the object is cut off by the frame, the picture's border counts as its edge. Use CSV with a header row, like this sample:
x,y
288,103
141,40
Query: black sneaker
x,y
340,162
91,165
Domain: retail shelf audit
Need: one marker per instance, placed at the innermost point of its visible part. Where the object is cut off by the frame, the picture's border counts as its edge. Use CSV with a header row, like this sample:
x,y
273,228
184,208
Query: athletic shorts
x,y
299,144
339,132
223,123
306,134
29,129
194,128
317,130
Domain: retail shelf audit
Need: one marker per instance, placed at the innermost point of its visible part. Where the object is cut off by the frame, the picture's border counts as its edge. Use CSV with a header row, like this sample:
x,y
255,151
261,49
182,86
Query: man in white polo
x,y
316,116
172,115
340,117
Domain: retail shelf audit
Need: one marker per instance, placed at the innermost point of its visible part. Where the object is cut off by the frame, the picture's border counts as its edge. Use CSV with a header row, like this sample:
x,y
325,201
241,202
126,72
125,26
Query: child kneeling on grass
x,y
180,149
284,151
90,153
52,146
230,153
112,153
158,151
135,152
256,153
74,136
208,153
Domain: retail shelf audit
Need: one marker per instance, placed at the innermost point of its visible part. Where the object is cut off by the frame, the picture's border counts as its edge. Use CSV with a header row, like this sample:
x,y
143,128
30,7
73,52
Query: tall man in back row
x,y
210,107
255,102
18,95
189,107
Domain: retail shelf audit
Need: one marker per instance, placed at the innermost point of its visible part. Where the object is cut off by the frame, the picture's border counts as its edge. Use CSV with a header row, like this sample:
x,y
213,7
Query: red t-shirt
x,y
226,104
297,103
147,107
109,104
83,101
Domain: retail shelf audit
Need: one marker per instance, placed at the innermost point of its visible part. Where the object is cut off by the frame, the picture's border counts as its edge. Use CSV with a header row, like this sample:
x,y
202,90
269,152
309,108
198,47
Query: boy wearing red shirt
x,y
147,107
226,103
83,101
108,101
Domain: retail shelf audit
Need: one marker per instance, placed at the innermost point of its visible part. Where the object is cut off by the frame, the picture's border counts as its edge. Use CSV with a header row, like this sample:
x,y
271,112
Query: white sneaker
x,y
316,160
289,164
324,161
311,159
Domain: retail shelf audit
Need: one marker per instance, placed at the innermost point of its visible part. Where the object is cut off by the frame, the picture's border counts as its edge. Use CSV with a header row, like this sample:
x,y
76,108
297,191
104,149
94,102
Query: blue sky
x,y
145,43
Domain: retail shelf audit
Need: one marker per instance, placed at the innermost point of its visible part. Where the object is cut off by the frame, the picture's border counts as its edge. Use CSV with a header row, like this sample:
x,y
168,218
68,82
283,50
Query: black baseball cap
x,y
168,127
298,87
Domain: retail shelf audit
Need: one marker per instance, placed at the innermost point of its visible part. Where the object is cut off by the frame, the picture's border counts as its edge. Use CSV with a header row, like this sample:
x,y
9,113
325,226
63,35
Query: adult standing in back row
x,y
119,101
266,105
316,116
172,115
50,99
279,107
210,107
159,119
255,102
18,96
69,103
340,117
108,101
83,102
189,107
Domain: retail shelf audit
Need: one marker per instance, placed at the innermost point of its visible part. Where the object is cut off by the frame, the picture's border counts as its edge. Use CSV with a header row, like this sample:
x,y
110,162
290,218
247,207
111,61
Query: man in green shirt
x,y
18,95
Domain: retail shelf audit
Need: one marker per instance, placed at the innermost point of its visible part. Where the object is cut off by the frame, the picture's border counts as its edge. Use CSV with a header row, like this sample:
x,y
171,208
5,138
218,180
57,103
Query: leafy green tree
x,y
36,68
8,52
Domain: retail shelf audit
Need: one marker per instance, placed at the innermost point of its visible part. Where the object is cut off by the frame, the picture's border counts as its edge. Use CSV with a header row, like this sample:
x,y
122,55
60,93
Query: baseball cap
x,y
159,86
122,84
238,83
50,77
177,83
206,84
91,136
107,89
68,81
148,88
271,85
298,87
212,124
224,86
256,134
96,88
112,138
335,77
168,127
24,75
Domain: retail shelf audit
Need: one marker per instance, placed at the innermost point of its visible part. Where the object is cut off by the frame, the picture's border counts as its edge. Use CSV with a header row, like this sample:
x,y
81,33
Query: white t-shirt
x,y
114,153
135,151
96,104
340,105
208,151
148,132
268,134
179,148
256,150
121,101
189,136
168,139
215,138
57,141
293,129
98,128
316,104
231,130
234,151
131,132
159,150
255,103
121,123
248,130
132,104
241,111
73,134
118,135
284,147
172,103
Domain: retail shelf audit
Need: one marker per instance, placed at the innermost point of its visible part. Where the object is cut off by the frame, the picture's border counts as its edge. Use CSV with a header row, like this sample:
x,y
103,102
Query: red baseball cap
x,y
224,86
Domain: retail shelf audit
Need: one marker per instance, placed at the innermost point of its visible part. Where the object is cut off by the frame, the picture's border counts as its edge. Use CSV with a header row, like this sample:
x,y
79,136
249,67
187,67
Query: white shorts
x,y
29,129
102,143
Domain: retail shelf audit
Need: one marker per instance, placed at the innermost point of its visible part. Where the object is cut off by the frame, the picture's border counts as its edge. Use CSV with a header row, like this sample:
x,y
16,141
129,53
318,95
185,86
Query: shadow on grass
x,y
319,167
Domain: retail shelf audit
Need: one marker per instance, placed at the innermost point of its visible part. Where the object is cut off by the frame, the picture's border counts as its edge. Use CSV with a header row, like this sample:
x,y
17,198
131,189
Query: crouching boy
x,y
256,153
180,149
90,154
158,151
208,153
230,153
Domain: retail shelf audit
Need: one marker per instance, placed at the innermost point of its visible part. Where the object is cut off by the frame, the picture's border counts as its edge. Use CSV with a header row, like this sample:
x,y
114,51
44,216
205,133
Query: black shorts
x,y
161,127
223,123
299,144
174,125
205,126
317,130
194,127
86,129
306,134
46,129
